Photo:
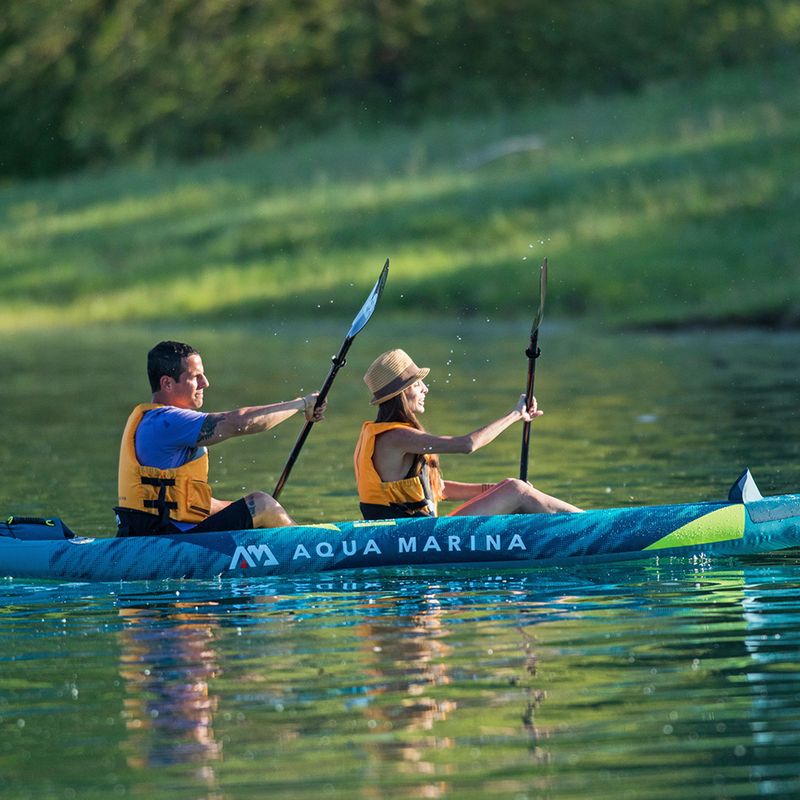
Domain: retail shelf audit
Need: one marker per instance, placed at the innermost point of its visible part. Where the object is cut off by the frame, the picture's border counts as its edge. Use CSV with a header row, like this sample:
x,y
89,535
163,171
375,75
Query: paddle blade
x,y
362,318
537,320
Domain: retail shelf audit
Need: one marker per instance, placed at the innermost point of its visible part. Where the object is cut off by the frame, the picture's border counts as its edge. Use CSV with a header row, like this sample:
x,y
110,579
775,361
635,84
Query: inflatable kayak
x,y
746,524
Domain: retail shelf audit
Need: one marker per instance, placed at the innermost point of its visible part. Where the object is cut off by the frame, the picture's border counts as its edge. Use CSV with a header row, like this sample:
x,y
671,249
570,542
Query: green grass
x,y
675,206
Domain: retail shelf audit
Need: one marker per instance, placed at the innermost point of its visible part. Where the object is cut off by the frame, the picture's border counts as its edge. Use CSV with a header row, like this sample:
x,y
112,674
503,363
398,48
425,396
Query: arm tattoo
x,y
208,427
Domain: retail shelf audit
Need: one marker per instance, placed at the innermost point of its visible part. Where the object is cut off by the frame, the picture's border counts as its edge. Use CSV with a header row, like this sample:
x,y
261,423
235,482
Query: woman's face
x,y
415,397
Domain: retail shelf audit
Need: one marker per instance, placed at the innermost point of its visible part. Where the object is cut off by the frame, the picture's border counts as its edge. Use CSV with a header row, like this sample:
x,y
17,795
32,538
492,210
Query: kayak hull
x,y
691,530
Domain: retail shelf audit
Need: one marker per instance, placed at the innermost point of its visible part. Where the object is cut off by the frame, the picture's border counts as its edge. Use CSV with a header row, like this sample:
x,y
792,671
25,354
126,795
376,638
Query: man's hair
x,y
167,358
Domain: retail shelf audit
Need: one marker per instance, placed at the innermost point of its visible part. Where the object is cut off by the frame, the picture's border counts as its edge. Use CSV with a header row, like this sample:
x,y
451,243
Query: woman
x,y
396,460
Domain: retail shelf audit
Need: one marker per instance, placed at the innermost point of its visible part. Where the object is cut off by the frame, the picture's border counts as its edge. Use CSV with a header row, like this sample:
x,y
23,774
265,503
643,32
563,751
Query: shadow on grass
x,y
283,237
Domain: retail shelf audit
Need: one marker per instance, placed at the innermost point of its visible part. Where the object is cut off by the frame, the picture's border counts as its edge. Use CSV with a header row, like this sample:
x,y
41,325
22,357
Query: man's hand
x,y
310,411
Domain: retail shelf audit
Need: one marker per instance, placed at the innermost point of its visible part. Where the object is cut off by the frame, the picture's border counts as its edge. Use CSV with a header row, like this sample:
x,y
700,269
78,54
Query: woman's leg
x,y
513,496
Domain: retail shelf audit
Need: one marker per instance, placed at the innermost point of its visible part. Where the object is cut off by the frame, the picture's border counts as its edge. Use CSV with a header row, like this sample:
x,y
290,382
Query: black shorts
x,y
234,517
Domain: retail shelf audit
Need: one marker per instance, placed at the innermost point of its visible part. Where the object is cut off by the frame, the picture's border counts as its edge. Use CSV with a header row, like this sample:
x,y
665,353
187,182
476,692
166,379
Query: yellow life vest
x,y
417,494
182,494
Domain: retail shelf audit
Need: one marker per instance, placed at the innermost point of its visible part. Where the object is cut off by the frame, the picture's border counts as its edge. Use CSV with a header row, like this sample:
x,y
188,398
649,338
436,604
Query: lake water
x,y
652,680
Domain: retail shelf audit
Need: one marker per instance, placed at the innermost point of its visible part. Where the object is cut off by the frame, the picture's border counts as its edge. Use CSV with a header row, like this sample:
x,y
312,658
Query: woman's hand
x,y
527,414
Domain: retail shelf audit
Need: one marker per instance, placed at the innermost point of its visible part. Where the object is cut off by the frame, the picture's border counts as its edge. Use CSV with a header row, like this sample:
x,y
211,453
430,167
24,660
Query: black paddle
x,y
533,353
338,361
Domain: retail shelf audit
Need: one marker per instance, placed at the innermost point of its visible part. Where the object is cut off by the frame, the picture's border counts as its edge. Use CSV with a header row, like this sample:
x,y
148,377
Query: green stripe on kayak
x,y
718,526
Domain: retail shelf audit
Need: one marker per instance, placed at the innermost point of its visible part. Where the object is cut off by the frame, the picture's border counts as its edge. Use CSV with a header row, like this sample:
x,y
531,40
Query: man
x,y
163,461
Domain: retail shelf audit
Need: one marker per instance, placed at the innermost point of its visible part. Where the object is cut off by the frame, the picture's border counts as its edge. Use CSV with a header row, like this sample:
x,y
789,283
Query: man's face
x,y
187,391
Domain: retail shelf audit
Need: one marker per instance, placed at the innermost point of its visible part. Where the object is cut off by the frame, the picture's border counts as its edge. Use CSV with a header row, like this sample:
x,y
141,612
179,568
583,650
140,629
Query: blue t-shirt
x,y
167,437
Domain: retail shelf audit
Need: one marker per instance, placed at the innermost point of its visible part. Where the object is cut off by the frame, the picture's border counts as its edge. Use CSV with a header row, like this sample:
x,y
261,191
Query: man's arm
x,y
218,427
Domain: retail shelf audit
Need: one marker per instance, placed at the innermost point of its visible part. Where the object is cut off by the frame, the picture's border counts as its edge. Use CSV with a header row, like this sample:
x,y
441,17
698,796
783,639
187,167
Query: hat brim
x,y
394,388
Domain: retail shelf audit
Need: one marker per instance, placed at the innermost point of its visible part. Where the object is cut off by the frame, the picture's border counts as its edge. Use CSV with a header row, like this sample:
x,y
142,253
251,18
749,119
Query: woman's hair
x,y
396,409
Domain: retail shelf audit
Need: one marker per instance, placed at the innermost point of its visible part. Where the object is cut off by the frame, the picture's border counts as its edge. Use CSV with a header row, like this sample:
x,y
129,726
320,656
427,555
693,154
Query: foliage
x,y
675,205
105,80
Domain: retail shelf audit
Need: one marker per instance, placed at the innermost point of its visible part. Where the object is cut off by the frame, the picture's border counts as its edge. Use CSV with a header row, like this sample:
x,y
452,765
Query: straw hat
x,y
390,373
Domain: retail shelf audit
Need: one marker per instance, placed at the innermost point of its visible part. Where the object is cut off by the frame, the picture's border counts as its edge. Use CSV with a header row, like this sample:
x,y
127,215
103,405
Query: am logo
x,y
253,555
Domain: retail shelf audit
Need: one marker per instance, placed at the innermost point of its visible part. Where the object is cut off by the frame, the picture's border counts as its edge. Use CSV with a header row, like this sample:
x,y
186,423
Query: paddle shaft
x,y
533,353
337,362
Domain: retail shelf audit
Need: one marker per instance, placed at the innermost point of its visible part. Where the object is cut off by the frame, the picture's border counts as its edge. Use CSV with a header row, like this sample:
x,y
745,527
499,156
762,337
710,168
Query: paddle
x,y
338,361
533,353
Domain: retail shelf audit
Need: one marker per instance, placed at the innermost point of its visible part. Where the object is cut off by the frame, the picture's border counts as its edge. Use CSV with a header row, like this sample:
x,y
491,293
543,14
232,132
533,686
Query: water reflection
x,y
535,698
590,683
404,666
167,659
425,696
595,682
771,610
693,672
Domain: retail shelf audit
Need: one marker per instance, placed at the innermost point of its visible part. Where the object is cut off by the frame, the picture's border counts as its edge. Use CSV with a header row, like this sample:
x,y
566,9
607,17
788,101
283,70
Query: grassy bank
x,y
675,206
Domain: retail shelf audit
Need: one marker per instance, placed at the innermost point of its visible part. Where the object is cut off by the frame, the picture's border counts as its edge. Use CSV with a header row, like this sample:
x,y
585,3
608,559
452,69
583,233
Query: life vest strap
x,y
159,503
149,481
